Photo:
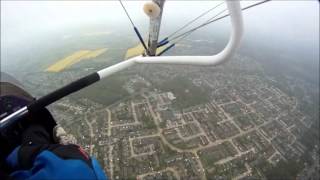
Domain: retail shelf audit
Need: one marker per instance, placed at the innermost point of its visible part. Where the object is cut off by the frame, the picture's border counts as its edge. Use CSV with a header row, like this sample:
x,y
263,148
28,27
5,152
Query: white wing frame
x,y
235,12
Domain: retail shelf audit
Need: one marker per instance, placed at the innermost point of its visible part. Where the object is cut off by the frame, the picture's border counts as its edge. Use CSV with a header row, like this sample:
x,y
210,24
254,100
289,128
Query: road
x,y
156,117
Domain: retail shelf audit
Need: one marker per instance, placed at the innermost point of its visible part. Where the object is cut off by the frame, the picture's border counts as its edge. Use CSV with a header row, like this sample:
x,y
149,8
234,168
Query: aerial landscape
x,y
254,117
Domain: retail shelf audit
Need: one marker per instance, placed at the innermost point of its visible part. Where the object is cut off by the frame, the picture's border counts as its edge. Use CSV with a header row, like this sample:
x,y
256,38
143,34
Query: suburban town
x,y
163,90
238,132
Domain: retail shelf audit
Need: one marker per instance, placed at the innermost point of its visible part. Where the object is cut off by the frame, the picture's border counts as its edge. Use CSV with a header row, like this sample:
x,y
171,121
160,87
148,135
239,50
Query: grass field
x,y
75,58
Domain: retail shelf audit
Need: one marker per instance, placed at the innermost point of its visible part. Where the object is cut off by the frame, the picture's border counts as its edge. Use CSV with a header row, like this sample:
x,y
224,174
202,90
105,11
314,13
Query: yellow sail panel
x,y
75,58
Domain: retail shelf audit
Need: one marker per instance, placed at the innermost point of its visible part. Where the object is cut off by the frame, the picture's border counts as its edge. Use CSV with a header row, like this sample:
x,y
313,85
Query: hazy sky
x,y
282,19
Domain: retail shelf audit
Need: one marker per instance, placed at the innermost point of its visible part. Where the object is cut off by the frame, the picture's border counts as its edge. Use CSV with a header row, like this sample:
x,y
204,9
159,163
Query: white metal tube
x,y
12,117
234,41
116,68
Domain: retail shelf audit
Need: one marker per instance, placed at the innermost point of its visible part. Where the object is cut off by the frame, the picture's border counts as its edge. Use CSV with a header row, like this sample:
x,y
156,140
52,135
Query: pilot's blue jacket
x,y
36,160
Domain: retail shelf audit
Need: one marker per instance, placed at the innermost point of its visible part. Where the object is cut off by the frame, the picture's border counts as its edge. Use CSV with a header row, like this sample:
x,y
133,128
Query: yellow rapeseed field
x,y
75,58
138,50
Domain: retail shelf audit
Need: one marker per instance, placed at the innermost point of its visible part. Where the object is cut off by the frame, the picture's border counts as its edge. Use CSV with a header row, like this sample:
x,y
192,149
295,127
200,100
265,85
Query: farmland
x,y
75,58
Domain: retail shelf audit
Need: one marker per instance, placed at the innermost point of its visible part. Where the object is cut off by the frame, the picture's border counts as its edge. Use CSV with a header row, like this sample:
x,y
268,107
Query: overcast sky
x,y
283,19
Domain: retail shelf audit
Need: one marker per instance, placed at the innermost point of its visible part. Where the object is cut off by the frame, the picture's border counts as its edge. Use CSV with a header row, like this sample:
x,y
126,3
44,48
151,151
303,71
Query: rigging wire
x,y
211,20
125,10
193,20
135,29
196,28
214,19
